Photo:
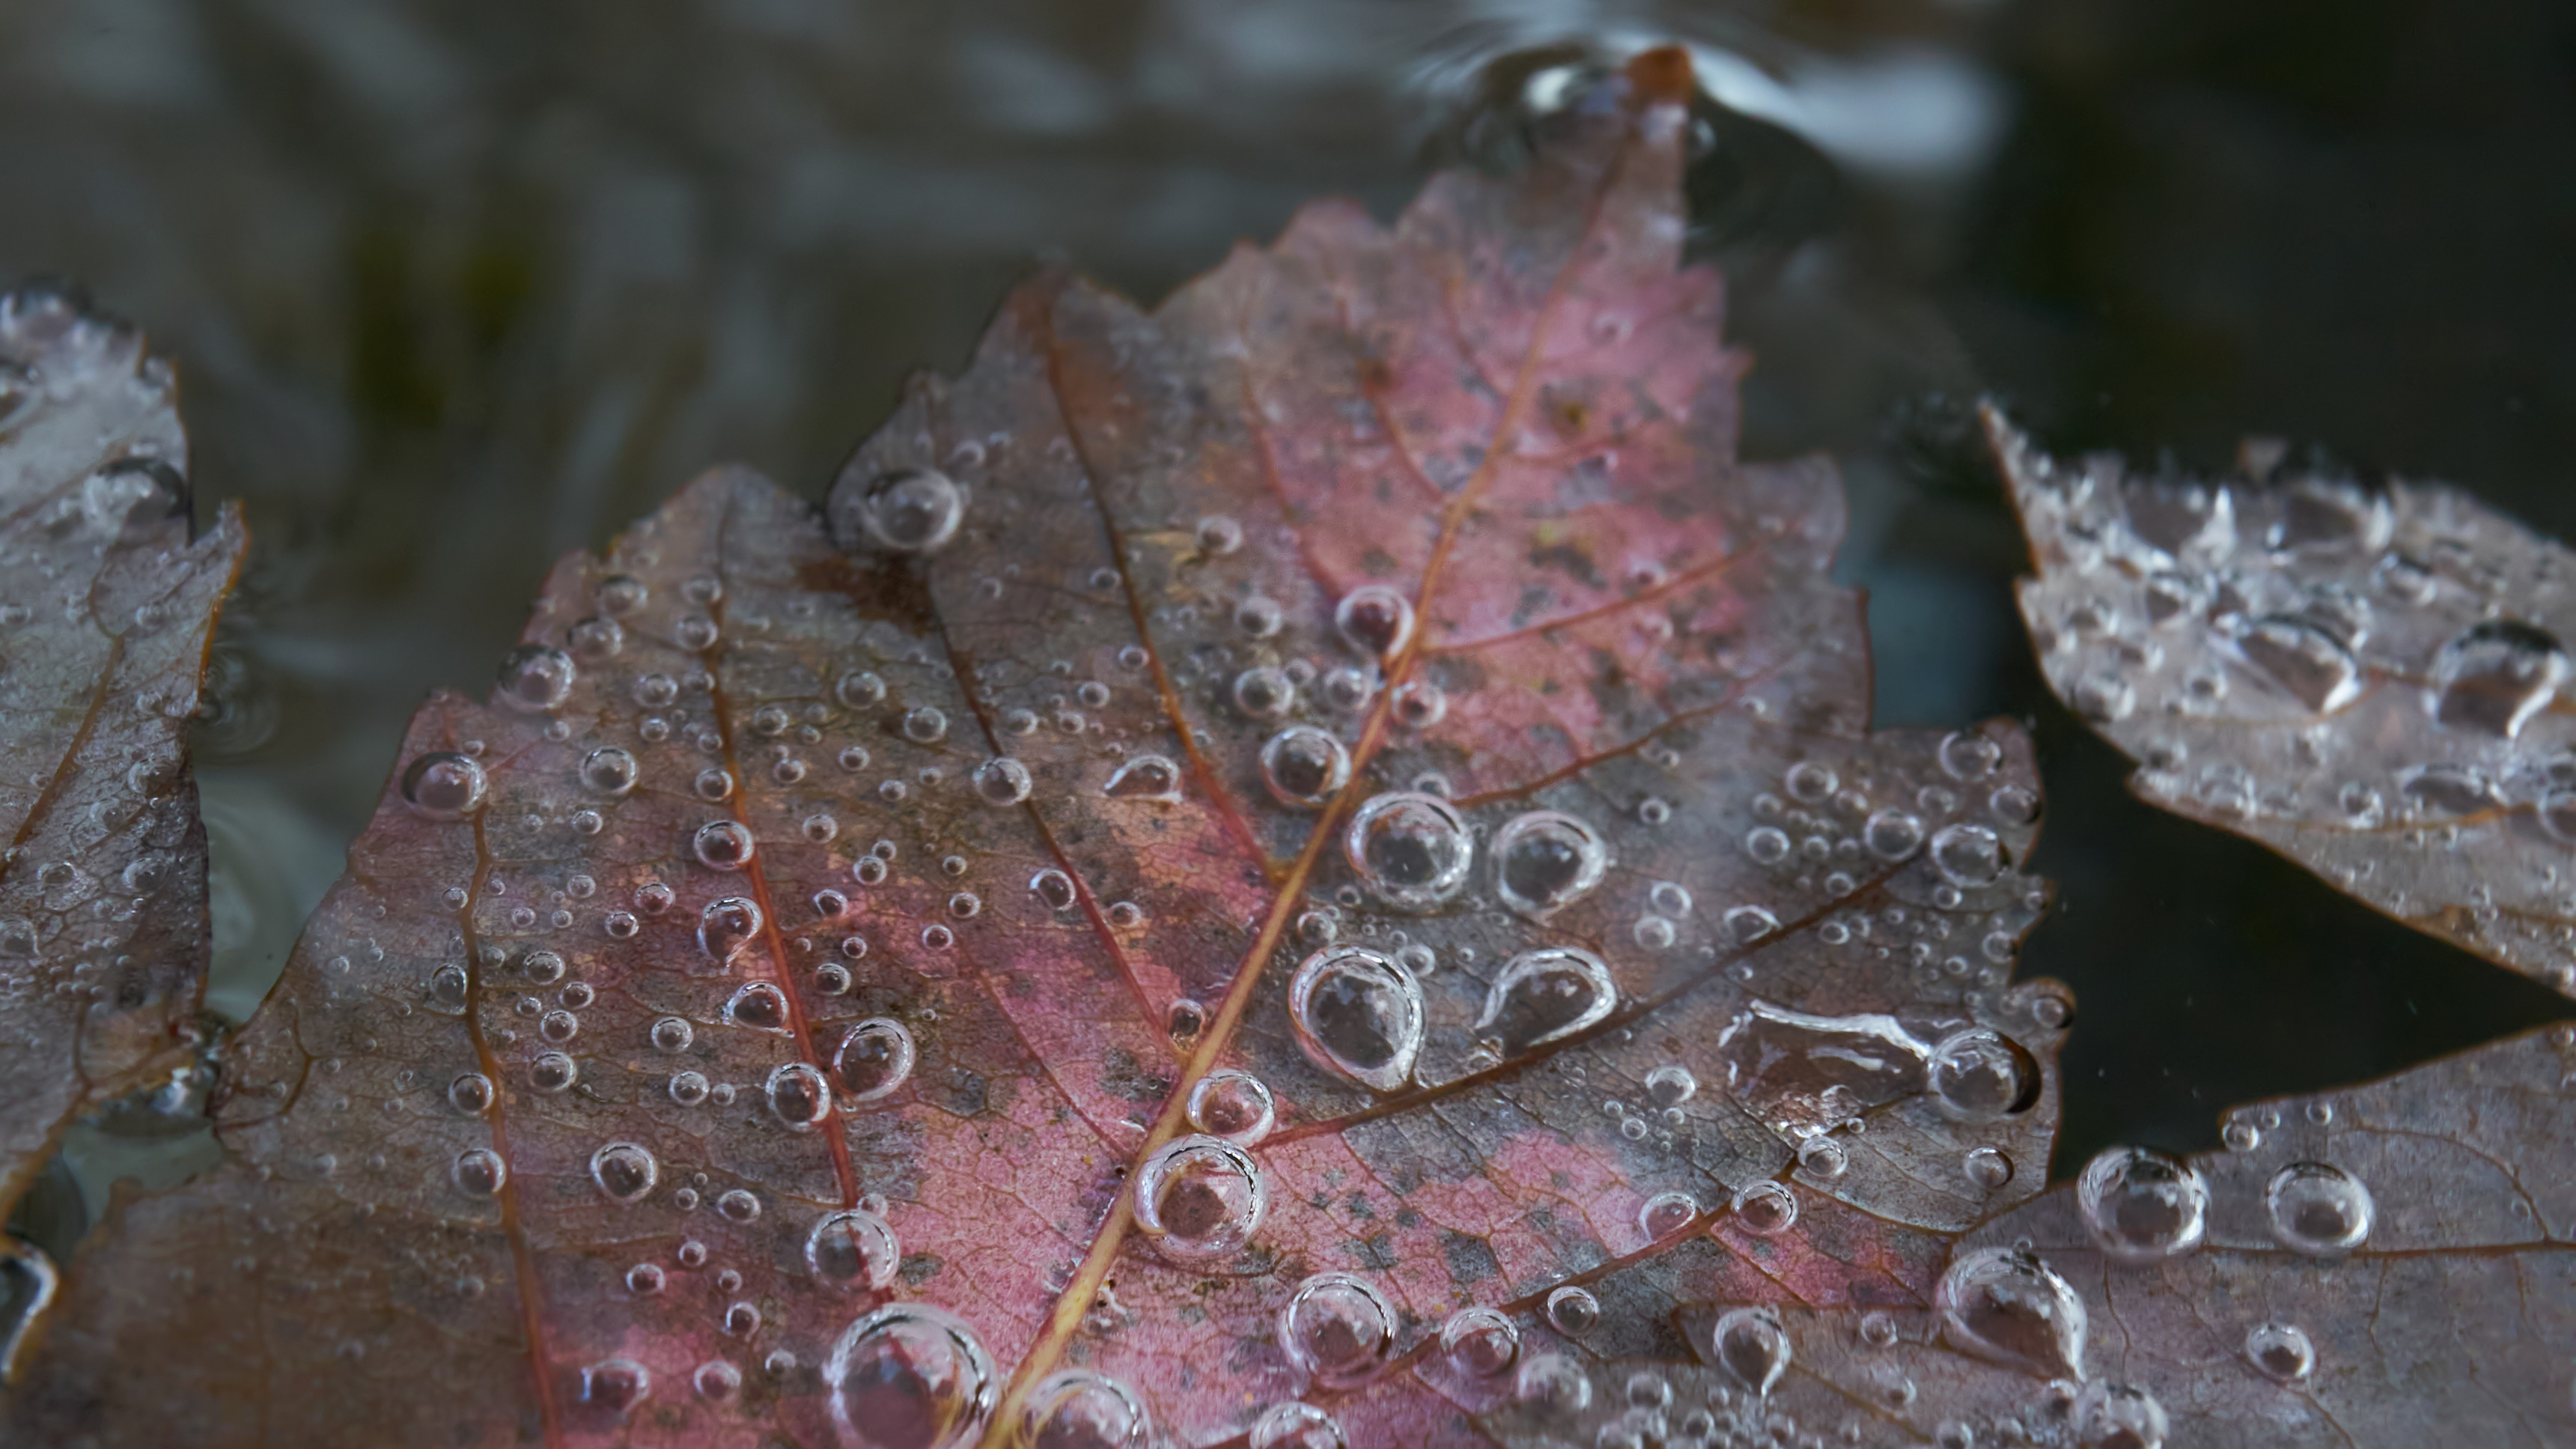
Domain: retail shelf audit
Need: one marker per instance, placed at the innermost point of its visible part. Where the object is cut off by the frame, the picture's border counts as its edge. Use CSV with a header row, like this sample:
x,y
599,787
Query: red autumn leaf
x,y
106,607
1315,847
2365,678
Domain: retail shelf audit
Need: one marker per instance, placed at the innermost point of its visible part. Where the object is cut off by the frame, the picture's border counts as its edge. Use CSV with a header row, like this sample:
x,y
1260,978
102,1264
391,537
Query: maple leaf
x,y
106,608
1290,867
2363,676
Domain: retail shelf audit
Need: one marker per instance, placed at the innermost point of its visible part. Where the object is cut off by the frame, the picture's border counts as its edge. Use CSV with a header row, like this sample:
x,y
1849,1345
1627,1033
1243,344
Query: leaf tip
x,y
1661,75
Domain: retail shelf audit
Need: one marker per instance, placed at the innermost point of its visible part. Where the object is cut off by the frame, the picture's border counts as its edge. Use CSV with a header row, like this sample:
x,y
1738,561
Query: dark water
x,y
454,287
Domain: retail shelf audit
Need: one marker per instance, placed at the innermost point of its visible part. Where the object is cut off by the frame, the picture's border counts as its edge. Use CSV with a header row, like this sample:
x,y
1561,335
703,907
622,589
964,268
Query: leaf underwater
x,y
107,606
2364,678
536,1139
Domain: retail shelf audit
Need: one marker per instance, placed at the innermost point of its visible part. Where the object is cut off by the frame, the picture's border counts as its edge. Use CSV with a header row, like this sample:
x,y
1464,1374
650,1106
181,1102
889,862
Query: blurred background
x,y
454,287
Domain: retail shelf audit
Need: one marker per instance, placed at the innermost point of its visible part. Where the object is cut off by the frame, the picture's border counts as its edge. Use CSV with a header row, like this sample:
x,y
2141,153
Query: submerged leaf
x,y
2364,677
2445,1316
106,609
1281,861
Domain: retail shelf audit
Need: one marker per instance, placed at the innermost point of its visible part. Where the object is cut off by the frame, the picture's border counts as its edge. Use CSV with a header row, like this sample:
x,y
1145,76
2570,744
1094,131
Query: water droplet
x,y
860,689
1055,888
1979,1074
1002,781
1767,1208
1767,844
624,1171
723,844
1480,1341
694,631
1752,1347
2281,1351
2318,1209
797,1095
1748,924
904,510
2495,677
1418,704
1264,693
741,1207
909,1376
2143,1206
1966,756
1671,1085
1552,1384
1541,996
1338,1329
479,1172
1304,766
622,594
1572,1311
689,1089
1296,1426
1258,617
1079,1409
925,725
1986,1167
443,785
553,1072
2010,1307
471,1093
1145,777
759,1005
852,1250
616,1384
1967,855
1892,834
1823,1157
1665,1214
1546,860
2312,665
1376,620
1219,534
717,1380
1357,1014
535,678
2118,1416
727,925
1232,1105
1411,850
2449,789
646,1279
1199,1199
1348,689
874,1059
609,771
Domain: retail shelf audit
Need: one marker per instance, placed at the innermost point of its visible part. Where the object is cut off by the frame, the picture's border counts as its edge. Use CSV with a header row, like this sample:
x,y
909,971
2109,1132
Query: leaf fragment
x,y
107,605
2364,676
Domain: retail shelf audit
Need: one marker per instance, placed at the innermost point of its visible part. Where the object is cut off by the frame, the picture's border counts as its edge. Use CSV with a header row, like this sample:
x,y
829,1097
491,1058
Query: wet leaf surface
x,y
106,605
1236,836
2363,676
2448,1318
